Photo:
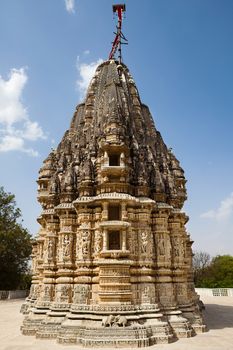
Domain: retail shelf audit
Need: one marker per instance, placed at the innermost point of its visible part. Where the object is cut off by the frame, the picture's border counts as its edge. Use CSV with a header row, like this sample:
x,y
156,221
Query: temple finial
x,y
120,39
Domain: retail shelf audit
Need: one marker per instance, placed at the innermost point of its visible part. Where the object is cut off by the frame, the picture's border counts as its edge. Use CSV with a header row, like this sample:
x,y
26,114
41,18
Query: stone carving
x,y
47,292
112,155
40,250
144,241
68,180
51,249
66,245
161,246
113,321
178,247
108,321
62,293
168,248
98,242
85,243
81,294
34,291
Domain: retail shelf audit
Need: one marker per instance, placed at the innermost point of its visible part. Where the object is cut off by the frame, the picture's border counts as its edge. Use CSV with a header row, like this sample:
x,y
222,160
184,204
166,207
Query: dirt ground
x,y
218,316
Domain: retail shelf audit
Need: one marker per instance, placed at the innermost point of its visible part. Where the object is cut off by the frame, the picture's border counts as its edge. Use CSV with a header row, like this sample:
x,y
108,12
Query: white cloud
x,y
33,131
11,108
86,72
222,213
15,124
70,6
14,143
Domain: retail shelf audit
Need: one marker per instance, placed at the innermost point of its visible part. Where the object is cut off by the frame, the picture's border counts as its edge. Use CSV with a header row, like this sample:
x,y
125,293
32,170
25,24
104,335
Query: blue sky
x,y
180,54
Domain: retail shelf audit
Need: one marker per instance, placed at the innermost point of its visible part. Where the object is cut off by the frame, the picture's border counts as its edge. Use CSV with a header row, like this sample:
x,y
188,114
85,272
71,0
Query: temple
x,y
112,263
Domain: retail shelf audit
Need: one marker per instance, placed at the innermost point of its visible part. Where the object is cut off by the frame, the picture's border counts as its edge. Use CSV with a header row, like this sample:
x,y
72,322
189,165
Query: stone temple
x,y
112,263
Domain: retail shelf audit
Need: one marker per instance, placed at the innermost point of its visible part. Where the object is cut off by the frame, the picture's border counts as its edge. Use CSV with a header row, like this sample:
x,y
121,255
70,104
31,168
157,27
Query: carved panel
x,y
63,293
81,294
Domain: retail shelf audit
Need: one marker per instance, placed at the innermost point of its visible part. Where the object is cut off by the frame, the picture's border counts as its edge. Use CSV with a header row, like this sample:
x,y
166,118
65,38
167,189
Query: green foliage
x,y
221,272
218,273
25,281
15,243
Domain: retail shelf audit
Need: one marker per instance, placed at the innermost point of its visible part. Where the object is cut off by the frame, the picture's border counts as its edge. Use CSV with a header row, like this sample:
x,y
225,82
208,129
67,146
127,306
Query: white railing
x,y
13,294
215,292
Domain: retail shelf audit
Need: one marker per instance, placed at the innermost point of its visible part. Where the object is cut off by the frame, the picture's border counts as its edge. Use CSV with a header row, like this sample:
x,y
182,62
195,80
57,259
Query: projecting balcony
x,y
114,254
115,224
43,193
113,170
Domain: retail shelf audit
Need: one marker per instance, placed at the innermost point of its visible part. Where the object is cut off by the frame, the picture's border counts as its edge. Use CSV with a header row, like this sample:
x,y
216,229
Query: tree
x,y
220,272
215,273
201,262
15,243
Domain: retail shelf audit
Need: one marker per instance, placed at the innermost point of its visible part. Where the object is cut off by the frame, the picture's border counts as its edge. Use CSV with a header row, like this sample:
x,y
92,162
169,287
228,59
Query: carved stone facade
x,y
112,263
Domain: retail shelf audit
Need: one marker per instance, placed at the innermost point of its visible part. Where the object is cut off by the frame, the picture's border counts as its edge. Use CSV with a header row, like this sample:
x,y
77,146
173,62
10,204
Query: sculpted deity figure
x,y
64,292
179,247
81,293
85,243
66,245
50,249
161,246
176,248
55,184
168,247
98,242
47,293
182,248
69,180
144,240
78,246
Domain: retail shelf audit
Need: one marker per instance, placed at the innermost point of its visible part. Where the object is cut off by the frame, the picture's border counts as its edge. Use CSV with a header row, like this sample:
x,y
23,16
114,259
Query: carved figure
x,y
113,321
66,245
121,320
98,242
81,294
168,248
50,249
144,240
161,246
85,243
69,180
108,321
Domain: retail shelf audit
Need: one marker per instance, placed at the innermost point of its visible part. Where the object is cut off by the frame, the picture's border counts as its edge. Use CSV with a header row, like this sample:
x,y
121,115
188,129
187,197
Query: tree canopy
x,y
213,273
15,243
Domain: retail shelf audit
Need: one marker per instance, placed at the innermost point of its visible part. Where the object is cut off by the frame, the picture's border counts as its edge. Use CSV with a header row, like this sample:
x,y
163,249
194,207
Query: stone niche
x,y
112,262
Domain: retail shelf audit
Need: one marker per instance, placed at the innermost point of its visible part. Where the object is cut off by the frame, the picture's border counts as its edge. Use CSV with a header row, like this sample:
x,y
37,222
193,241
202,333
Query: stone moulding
x,y
112,262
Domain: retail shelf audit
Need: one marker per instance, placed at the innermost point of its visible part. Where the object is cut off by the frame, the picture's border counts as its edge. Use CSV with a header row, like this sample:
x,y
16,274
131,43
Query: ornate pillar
x,y
105,239
124,240
143,272
84,257
163,255
66,255
50,259
181,255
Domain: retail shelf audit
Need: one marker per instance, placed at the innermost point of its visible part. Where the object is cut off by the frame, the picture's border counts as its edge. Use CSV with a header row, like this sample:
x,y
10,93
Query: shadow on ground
x,y
218,316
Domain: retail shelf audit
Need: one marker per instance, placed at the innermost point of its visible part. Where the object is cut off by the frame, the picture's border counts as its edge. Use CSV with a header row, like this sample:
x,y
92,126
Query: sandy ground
x,y
218,316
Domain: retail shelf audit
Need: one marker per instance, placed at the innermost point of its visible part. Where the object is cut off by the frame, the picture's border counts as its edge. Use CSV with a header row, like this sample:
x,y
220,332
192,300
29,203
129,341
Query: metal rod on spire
x,y
116,45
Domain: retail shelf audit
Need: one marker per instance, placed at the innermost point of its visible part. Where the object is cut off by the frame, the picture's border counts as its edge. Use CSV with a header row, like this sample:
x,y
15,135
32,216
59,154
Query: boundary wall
x,y
13,294
215,292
